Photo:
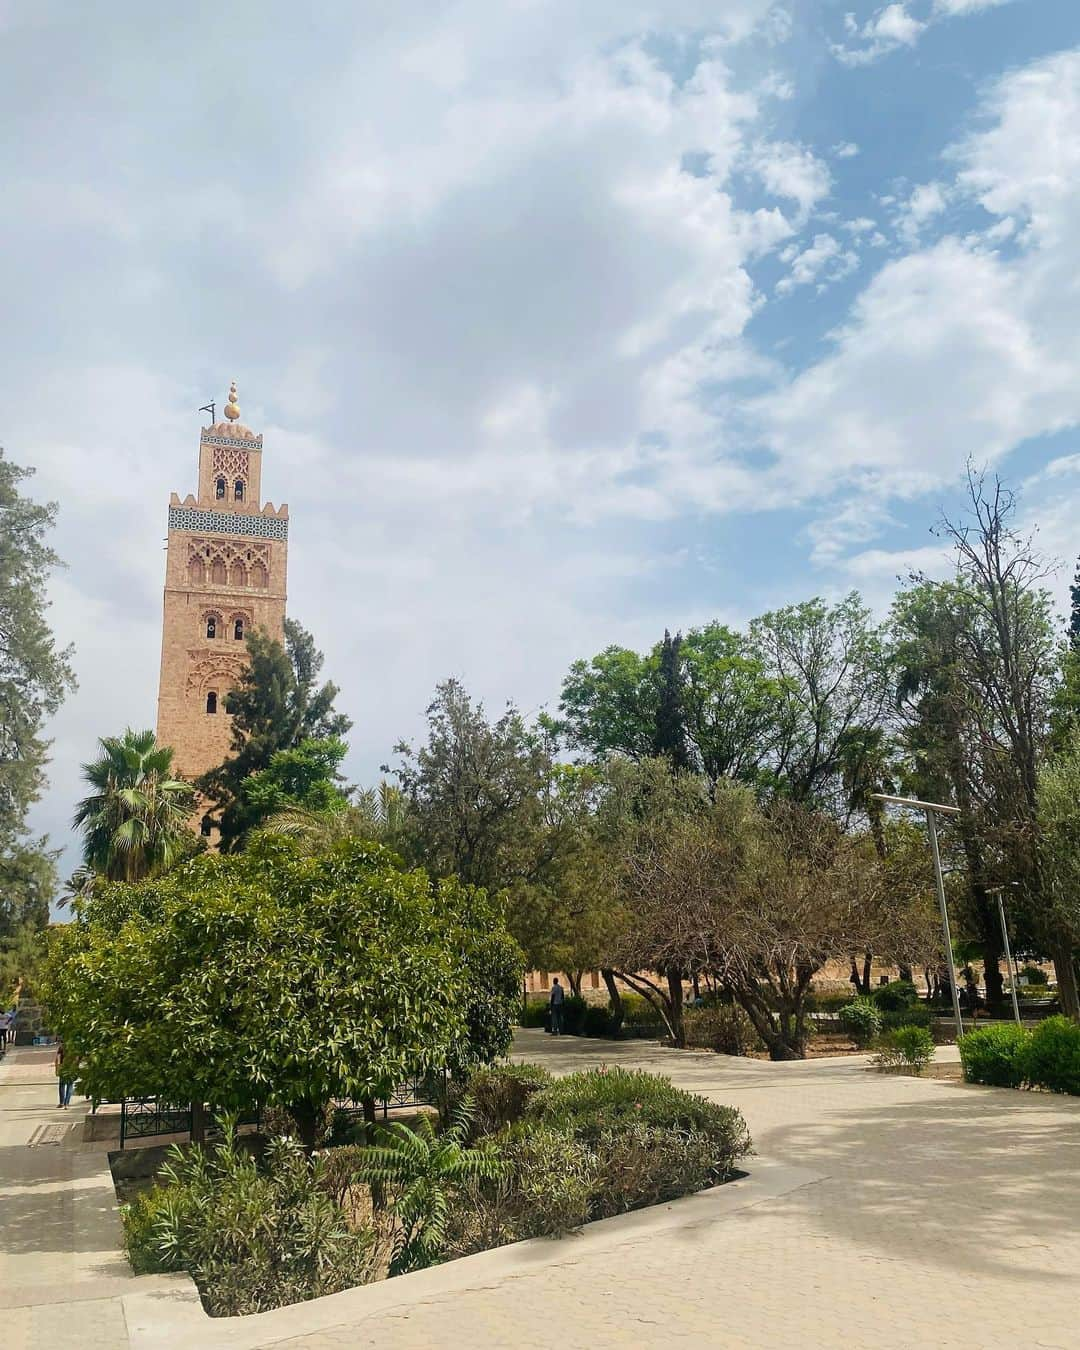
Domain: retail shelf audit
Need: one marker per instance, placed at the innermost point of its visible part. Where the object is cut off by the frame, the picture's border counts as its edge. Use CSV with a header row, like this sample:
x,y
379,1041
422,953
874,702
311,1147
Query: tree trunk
x,y
675,991
574,979
995,985
198,1123
777,1046
615,1002
696,985
1066,978
306,1116
907,974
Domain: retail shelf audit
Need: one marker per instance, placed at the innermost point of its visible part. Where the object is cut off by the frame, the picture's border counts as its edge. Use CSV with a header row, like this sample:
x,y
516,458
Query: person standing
x,y
556,1005
65,1075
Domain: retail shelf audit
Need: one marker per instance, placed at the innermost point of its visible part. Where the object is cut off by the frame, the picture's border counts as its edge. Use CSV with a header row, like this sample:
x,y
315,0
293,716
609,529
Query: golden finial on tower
x,y
232,408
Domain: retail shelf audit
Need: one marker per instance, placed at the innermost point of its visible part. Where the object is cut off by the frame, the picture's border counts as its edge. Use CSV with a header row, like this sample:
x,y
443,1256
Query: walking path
x,y
879,1210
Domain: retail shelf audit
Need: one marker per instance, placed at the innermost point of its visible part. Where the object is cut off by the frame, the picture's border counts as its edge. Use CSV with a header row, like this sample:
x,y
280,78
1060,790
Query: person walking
x,y
555,1004
65,1075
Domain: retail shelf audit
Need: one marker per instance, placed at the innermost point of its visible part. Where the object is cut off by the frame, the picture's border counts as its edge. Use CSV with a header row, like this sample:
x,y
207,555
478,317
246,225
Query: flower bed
x,y
522,1155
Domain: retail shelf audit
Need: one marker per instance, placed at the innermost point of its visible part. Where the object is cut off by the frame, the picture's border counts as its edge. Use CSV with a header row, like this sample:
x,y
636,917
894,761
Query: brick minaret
x,y
224,576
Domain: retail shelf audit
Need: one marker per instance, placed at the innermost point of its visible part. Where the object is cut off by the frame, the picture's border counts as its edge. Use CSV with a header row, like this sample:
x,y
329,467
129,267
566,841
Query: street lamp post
x,y
931,810
1008,950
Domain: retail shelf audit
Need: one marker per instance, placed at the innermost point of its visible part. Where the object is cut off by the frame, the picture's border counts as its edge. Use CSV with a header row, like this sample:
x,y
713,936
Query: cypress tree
x,y
669,735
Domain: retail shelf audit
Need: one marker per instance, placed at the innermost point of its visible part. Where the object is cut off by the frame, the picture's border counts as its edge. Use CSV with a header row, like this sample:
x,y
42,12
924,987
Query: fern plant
x,y
414,1170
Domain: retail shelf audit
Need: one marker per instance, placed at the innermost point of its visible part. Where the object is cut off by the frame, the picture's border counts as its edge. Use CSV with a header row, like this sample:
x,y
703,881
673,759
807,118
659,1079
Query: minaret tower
x,y
224,576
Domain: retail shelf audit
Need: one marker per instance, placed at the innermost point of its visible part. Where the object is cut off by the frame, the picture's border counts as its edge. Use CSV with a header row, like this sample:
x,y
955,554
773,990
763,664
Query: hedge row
x,y
1011,1056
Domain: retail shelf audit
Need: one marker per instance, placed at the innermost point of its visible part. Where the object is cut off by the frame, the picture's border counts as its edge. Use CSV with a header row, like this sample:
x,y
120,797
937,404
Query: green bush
x,y
252,1236
498,1095
587,1104
861,1019
723,1027
995,1055
905,1048
831,1002
533,1013
895,997
573,1015
1035,975
552,1176
1051,1058
919,1015
597,1021
639,1165
639,1012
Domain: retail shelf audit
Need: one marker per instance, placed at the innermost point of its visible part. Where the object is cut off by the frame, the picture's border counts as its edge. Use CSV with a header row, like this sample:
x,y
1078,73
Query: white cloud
x,y
895,27
956,350
926,201
823,261
790,171
953,8
845,150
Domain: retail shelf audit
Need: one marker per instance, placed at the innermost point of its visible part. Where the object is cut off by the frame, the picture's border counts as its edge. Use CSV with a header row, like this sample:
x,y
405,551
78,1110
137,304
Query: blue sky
x,y
563,323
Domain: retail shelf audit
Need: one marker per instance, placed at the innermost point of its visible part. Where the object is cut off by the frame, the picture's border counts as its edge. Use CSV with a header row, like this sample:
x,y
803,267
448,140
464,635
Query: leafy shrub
x,y
1051,1058
1035,975
828,1002
639,1012
498,1095
587,1104
597,1021
906,1047
553,1176
995,1055
533,1013
895,997
639,1165
861,1019
413,1173
253,1237
919,1015
544,1192
724,1027
573,1014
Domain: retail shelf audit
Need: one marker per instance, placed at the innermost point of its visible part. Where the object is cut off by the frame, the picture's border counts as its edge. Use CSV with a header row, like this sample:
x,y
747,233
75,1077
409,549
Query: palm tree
x,y
378,814
135,823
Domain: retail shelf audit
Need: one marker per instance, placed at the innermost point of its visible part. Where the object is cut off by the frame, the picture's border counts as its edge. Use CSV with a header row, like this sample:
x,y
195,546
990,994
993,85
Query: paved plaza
x,y
879,1210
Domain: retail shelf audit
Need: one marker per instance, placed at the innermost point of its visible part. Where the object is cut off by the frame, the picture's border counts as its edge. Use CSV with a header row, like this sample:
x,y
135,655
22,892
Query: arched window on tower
x,y
238,630
196,572
217,572
219,490
258,576
211,627
238,574
206,826
211,702
238,490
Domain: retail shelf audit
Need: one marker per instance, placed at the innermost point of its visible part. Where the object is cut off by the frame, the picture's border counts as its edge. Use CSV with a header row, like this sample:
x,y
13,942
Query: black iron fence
x,y
152,1117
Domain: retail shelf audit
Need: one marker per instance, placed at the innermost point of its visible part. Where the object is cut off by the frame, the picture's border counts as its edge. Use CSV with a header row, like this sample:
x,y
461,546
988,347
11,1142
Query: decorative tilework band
x,y
225,522
232,442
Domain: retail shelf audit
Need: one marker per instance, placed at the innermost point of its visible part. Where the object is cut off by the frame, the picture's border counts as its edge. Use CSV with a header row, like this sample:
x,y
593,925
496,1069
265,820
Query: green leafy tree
x,y
276,705
303,778
669,733
609,705
135,821
831,668
274,977
28,884
35,676
476,791
379,814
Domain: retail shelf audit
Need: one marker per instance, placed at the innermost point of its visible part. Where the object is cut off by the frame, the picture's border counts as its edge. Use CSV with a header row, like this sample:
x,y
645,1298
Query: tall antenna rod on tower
x,y
209,407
